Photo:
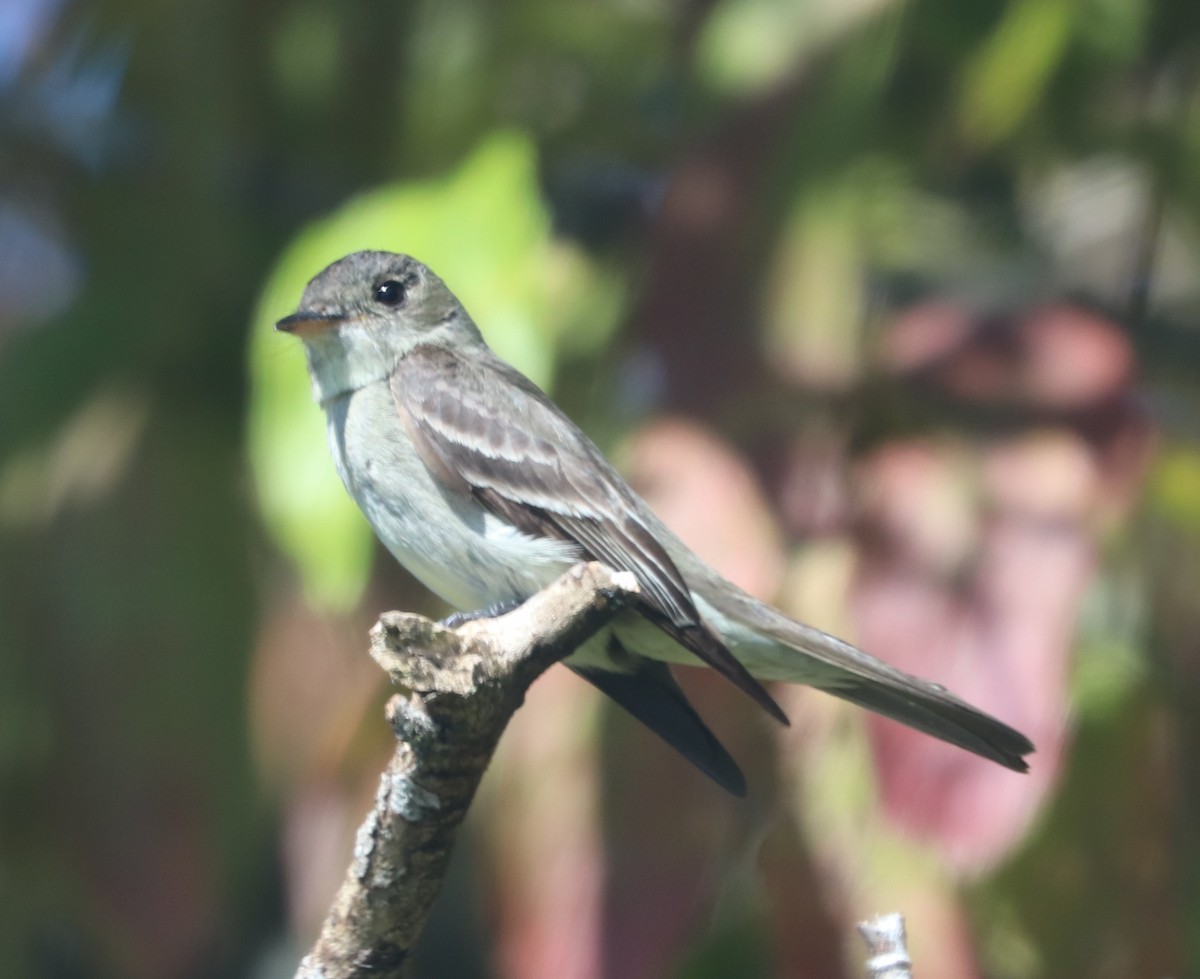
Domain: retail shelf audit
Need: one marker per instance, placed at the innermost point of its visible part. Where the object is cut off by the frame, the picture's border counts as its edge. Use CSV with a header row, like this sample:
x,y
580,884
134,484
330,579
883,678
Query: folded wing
x,y
486,430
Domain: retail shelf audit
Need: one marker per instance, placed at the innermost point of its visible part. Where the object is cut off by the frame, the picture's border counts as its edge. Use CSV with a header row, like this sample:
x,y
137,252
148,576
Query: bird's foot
x,y
455,619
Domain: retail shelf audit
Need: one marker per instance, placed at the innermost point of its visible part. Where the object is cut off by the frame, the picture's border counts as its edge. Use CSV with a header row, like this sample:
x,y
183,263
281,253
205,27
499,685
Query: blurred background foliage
x,y
888,307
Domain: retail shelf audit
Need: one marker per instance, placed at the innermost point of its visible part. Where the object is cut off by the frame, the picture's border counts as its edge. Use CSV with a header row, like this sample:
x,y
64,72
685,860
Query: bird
x,y
486,491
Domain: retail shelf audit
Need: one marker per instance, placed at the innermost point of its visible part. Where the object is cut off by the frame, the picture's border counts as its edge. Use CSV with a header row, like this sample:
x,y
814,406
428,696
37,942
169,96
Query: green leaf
x,y
1009,75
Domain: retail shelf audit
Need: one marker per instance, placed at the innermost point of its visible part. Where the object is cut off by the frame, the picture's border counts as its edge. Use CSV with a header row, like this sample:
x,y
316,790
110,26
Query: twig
x,y
888,945
463,686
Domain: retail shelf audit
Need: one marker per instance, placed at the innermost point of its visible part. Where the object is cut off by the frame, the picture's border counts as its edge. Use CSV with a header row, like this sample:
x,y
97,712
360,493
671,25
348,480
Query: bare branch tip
x,y
887,943
626,582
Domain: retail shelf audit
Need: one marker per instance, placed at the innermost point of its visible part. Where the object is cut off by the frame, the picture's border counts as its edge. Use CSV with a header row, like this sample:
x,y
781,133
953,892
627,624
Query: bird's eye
x,y
391,293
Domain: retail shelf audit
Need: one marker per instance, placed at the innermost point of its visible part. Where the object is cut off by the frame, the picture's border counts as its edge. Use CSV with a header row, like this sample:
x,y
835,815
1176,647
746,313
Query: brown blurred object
x,y
707,493
807,913
674,841
537,810
992,620
1056,357
316,741
976,554
160,838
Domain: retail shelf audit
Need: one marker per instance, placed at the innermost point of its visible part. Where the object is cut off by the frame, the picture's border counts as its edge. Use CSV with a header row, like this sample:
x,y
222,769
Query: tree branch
x,y
462,687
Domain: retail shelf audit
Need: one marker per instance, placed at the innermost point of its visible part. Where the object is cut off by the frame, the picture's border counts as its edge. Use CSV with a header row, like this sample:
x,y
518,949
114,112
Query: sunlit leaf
x,y
1008,76
747,46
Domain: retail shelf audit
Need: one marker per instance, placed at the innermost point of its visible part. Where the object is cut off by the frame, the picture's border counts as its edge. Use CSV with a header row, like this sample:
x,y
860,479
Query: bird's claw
x,y
455,619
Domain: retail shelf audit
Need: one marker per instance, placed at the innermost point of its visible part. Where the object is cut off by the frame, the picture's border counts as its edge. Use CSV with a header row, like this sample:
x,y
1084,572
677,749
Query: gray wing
x,y
485,429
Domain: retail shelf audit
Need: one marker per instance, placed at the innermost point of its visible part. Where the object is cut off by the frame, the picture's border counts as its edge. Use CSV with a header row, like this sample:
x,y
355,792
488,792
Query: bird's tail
x,y
775,647
933,709
847,672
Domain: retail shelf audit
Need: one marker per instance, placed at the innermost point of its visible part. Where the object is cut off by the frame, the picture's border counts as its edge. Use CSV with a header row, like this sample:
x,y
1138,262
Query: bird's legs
x,y
455,619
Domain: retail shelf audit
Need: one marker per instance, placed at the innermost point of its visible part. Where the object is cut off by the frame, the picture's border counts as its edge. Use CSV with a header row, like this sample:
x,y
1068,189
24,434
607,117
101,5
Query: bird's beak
x,y
308,322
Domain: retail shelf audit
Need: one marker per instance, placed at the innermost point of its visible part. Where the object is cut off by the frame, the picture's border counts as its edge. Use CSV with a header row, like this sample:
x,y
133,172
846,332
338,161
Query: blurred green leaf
x,y
1106,675
1111,645
305,54
737,947
815,309
1007,78
748,45
1117,28
1176,487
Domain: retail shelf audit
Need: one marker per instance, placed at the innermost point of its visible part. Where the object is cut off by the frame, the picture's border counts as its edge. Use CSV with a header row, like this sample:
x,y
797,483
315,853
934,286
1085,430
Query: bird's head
x,y
364,312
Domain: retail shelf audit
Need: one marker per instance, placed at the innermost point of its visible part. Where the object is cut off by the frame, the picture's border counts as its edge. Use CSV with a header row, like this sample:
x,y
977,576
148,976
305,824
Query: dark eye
x,y
391,293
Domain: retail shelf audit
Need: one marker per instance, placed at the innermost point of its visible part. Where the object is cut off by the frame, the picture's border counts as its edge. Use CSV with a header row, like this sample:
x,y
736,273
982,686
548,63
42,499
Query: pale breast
x,y
446,539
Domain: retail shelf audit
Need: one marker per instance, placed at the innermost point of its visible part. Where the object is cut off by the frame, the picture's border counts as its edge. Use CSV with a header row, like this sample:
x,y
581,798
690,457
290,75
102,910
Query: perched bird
x,y
483,489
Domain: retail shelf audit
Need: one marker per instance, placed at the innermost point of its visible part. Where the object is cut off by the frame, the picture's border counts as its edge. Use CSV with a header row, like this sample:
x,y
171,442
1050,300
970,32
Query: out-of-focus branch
x,y
888,945
462,687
